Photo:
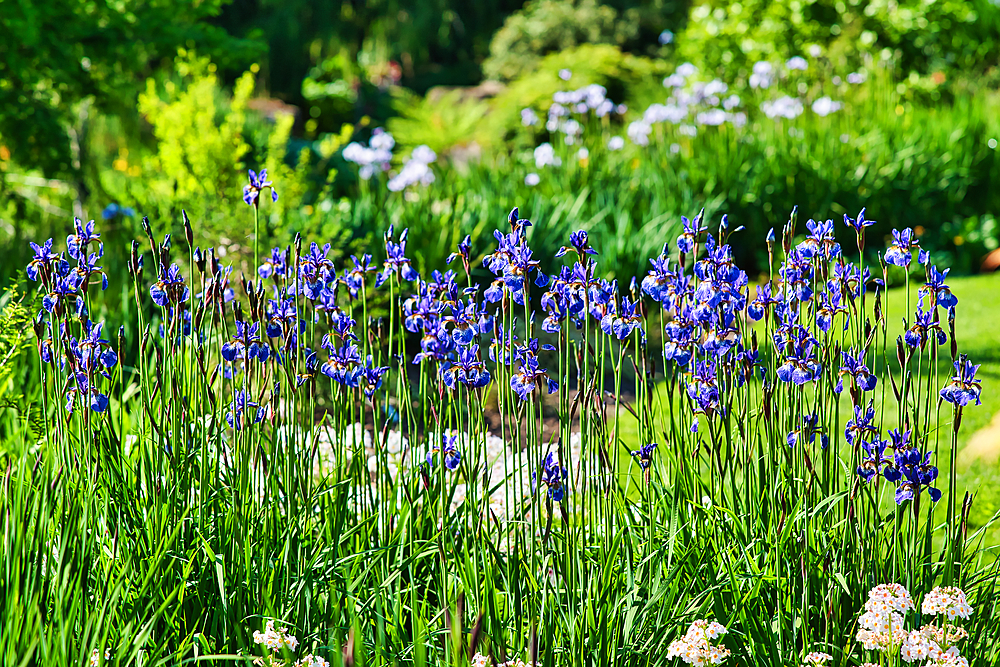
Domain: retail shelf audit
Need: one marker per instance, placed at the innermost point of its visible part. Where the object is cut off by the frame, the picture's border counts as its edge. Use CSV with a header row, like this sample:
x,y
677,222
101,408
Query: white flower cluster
x,y
882,625
783,107
95,657
545,155
824,106
416,170
480,660
696,647
816,659
947,601
312,661
275,638
374,157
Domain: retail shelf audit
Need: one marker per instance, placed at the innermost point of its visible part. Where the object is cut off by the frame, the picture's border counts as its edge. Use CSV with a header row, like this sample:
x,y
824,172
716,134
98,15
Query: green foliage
x,y
440,121
59,56
952,36
15,324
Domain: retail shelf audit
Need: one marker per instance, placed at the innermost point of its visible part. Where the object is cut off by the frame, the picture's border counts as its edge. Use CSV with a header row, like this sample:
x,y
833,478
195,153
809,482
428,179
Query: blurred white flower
x,y
381,140
738,119
824,106
424,154
638,132
783,107
666,37
571,127
582,154
621,109
797,63
731,102
763,75
532,179
844,138
604,108
856,77
688,130
658,113
675,148
687,69
674,81
616,144
714,87
565,74
545,155
528,117
711,117
815,51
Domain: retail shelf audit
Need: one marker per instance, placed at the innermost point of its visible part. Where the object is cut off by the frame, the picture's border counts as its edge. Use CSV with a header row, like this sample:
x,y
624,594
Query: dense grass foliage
x,y
404,466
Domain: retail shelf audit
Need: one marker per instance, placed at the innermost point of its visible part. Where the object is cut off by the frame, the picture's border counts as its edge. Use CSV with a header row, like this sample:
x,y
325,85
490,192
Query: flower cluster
x,y
696,647
882,625
816,659
275,639
480,660
374,157
416,170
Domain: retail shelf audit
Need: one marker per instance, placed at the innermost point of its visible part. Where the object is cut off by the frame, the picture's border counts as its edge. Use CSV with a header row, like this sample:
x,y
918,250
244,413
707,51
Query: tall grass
x,y
280,447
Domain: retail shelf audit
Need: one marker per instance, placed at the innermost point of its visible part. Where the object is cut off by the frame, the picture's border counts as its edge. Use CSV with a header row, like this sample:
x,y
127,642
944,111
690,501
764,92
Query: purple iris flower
x,y
900,251
912,473
820,242
449,448
76,244
245,344
858,223
257,184
622,323
169,289
554,477
371,377
464,249
924,326
354,278
93,349
862,426
530,376
274,265
854,367
579,243
800,366
469,369
65,291
963,388
236,417
760,305
875,461
692,230
396,261
96,401
281,317
42,261
644,455
344,362
942,293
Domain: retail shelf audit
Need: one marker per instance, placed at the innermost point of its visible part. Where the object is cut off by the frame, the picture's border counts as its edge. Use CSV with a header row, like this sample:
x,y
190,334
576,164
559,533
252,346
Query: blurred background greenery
x,y
161,106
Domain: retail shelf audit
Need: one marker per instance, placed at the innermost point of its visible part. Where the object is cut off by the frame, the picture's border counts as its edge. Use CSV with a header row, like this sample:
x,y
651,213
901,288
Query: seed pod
x,y
149,231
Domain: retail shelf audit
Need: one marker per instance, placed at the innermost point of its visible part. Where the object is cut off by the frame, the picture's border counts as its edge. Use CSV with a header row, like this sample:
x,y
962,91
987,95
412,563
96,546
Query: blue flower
x,y
963,388
343,363
935,285
281,317
862,427
354,278
257,184
246,344
925,325
644,455
554,476
858,223
855,368
875,461
469,369
820,242
371,377
237,409
900,251
692,230
275,265
912,473
77,243
579,243
42,261
169,289
396,261
531,376
449,447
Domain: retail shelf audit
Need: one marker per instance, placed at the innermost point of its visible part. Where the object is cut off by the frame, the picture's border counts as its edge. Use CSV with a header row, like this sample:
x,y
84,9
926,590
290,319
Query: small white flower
x,y
565,74
666,37
545,155
532,179
529,117
582,154
856,78
616,144
731,102
815,51
824,106
797,63
687,70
